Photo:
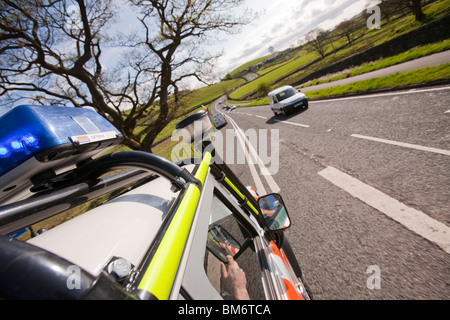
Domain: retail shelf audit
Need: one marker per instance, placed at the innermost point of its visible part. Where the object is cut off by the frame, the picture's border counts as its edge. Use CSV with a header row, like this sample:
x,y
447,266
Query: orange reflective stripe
x,y
290,291
230,249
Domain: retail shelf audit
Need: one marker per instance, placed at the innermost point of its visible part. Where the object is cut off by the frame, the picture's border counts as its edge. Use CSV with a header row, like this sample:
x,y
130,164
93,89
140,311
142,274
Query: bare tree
x,y
51,52
391,7
318,39
416,7
346,29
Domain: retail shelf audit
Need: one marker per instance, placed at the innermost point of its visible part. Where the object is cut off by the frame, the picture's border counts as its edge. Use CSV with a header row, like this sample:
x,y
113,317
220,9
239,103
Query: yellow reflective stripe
x,y
160,274
252,207
203,169
234,188
241,195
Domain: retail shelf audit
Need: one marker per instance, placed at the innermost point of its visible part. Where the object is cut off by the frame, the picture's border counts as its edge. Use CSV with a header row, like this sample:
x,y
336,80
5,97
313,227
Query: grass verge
x,y
396,80
409,55
364,39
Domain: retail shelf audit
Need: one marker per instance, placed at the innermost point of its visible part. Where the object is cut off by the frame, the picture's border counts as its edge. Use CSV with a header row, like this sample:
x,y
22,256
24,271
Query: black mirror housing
x,y
274,212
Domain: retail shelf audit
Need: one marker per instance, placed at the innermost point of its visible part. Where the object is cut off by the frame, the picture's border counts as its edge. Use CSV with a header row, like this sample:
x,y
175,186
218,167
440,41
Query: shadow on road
x,y
274,119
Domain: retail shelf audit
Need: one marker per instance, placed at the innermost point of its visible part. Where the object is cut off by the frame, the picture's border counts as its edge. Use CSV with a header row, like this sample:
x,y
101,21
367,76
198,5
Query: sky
x,y
281,25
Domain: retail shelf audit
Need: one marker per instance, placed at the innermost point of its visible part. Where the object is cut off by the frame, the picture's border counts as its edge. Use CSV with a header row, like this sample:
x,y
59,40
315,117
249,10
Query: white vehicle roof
x,y
278,90
123,227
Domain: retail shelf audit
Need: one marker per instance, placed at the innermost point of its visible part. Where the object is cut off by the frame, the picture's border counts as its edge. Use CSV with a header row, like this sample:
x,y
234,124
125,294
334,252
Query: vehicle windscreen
x,y
285,94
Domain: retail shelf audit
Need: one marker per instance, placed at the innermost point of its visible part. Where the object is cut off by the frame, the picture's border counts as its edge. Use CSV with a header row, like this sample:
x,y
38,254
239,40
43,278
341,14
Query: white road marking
x,y
414,220
405,145
250,151
376,95
258,183
260,117
264,172
448,111
293,123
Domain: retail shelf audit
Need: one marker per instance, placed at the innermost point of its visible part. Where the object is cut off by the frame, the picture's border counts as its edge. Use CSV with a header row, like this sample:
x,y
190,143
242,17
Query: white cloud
x,y
282,24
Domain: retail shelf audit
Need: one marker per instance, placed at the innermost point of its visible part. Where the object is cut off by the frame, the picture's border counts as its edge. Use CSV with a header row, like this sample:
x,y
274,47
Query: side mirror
x,y
274,212
196,124
219,121
221,243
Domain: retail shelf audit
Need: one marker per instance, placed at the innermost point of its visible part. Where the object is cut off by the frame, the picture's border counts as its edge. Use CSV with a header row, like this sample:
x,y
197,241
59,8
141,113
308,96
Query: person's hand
x,y
234,280
268,213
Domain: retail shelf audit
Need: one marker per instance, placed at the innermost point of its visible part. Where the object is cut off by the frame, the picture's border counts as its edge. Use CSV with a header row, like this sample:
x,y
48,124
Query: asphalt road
x,y
367,184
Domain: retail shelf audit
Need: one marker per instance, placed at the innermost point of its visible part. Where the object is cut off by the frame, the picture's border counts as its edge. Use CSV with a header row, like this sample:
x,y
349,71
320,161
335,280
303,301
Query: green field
x,y
364,40
288,66
198,98
409,55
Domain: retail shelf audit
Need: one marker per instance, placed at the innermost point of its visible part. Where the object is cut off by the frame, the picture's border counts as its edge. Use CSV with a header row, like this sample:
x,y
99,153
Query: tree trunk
x,y
164,107
416,8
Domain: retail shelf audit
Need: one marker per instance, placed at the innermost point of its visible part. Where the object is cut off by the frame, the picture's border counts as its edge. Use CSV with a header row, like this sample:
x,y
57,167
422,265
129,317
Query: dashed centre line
x,y
416,221
402,144
283,121
293,123
391,142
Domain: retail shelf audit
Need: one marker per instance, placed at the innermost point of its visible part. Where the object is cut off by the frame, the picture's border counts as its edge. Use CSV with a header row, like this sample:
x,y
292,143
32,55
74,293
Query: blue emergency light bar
x,y
49,133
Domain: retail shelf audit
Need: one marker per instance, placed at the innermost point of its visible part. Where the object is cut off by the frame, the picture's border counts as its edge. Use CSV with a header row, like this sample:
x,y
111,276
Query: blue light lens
x,y
29,141
4,152
16,146
29,131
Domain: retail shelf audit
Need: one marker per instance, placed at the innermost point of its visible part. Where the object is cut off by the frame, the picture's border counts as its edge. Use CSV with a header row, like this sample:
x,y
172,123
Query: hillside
x,y
293,65
197,98
297,64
